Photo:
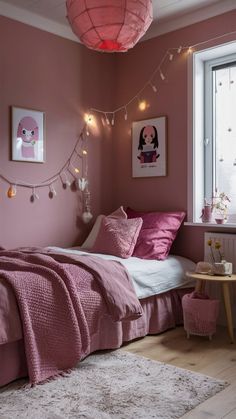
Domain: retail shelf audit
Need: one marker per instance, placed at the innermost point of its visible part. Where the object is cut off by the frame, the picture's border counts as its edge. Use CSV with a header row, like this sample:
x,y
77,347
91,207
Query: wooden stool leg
x,y
228,311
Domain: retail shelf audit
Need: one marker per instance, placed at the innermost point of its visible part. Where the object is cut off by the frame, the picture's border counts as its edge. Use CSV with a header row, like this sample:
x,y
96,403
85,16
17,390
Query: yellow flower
x,y
215,245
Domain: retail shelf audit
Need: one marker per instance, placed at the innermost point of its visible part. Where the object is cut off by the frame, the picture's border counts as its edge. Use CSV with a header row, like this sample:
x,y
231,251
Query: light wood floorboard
x,y
216,358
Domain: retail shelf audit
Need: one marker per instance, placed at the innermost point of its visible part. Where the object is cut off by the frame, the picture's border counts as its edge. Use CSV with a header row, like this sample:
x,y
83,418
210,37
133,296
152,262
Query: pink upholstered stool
x,y
200,314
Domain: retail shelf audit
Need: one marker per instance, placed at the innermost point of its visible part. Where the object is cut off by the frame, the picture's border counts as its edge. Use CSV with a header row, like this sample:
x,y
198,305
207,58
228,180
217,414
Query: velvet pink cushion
x,y
157,234
117,237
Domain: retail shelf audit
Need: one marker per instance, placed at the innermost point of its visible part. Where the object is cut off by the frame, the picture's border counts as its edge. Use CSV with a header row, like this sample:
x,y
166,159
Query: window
x,y
213,148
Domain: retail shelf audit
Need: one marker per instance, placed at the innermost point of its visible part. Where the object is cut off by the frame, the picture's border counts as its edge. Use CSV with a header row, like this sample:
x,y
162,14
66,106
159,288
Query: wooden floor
x,y
216,358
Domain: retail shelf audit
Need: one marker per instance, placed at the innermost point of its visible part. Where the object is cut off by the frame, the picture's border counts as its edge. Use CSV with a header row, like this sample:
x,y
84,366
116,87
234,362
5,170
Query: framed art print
x,y
149,147
28,140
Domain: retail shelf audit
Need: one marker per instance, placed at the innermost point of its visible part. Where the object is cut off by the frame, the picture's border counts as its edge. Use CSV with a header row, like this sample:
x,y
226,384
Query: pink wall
x,y
134,69
45,72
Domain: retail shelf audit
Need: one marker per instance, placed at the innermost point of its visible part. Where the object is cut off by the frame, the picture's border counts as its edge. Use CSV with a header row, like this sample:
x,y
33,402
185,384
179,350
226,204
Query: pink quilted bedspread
x,y
52,292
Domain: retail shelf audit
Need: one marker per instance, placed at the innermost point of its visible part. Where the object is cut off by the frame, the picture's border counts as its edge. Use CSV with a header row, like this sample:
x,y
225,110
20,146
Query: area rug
x,y
108,385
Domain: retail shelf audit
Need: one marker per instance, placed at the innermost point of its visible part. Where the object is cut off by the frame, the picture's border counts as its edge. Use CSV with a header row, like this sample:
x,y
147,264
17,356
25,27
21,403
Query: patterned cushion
x,y
89,242
117,237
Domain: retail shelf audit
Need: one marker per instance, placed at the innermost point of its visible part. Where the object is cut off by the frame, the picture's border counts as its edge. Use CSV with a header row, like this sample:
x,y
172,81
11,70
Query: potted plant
x,y
220,204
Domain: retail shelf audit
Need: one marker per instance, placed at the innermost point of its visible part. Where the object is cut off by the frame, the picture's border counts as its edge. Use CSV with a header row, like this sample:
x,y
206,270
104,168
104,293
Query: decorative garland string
x,y
68,168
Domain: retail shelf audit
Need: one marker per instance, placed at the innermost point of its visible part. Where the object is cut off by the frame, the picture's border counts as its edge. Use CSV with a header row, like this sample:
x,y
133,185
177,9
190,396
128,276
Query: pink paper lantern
x,y
109,25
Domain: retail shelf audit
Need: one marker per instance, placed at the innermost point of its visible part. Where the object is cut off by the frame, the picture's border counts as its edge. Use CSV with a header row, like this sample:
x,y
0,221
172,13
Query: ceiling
x,y
50,15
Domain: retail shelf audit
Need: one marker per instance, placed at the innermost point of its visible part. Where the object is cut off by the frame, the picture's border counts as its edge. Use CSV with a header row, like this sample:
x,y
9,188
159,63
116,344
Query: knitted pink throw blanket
x,y
54,325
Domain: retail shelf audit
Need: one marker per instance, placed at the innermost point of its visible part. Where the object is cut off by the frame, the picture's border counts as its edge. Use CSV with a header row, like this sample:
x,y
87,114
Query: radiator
x,y
228,247
228,250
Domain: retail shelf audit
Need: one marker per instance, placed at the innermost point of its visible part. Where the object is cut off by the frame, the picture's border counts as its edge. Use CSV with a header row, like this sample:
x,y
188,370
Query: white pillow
x,y
89,242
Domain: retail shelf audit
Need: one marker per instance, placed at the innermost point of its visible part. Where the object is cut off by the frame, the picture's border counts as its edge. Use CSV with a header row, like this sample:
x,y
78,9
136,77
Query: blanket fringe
x,y
64,373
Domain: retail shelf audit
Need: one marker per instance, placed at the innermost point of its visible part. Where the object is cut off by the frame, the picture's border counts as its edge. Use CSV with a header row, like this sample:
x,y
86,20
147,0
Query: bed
x,y
59,305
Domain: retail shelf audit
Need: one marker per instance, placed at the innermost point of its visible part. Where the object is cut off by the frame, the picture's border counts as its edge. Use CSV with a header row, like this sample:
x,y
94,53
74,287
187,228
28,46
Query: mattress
x,y
150,277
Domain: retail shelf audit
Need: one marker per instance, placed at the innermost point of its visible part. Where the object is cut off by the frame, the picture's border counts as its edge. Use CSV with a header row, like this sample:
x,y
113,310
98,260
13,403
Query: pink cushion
x,y
157,234
117,237
89,242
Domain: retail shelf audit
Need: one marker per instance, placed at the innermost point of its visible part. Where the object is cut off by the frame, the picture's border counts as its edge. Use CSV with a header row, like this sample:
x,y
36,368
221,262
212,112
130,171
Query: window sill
x,y
226,225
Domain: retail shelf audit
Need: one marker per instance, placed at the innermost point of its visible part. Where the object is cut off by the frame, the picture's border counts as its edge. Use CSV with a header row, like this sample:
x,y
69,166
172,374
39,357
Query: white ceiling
x,y
50,15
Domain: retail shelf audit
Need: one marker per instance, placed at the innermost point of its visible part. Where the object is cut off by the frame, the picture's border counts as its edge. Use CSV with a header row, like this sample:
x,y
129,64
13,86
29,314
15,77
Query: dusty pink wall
x,y
134,69
41,71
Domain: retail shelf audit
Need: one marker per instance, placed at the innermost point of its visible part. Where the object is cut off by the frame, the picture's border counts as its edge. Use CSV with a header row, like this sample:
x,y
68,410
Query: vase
x,y
220,218
206,214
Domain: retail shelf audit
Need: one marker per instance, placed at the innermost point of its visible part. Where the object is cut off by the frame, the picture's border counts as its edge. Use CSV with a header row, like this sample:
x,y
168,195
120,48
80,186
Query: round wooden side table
x,y
225,281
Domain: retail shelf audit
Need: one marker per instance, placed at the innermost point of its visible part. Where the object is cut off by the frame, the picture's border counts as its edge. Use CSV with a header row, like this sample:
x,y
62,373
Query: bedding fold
x,y
114,281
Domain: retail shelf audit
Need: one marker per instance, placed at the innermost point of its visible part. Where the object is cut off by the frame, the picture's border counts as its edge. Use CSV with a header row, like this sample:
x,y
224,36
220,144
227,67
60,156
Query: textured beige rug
x,y
111,385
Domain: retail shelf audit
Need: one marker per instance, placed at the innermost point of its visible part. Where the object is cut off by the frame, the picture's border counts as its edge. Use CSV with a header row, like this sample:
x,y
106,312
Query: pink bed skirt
x,y
160,313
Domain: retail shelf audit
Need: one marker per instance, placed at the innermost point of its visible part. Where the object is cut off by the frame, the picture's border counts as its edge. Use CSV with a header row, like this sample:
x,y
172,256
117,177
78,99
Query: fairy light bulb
x,y
88,119
107,119
126,114
142,105
11,193
162,76
190,50
84,152
154,88
171,56
113,120
76,170
179,50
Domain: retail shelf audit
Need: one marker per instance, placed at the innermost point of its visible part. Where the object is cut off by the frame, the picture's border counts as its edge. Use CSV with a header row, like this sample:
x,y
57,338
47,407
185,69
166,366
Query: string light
x,y
169,54
142,105
162,76
107,119
89,119
11,193
113,120
154,88
75,169
62,176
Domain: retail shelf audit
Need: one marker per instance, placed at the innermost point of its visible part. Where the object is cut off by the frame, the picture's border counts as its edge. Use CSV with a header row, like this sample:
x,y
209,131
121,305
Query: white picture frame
x,y
28,138
149,147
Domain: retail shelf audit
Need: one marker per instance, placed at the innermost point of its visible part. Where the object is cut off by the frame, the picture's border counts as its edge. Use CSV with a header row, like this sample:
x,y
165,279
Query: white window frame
x,y
196,128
